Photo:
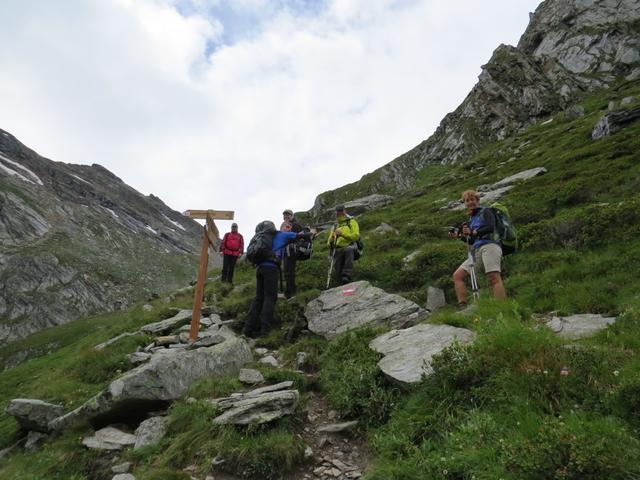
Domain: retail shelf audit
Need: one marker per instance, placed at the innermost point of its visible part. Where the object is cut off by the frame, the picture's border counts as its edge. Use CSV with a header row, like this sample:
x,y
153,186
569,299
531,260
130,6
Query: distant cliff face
x,y
76,240
569,47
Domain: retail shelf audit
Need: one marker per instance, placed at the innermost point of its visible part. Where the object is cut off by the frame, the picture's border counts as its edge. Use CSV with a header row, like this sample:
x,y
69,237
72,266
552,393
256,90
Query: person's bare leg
x,y
495,280
459,282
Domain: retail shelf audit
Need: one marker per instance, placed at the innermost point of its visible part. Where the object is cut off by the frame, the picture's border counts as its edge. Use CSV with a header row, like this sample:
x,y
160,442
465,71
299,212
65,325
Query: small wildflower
x,y
616,373
545,372
564,371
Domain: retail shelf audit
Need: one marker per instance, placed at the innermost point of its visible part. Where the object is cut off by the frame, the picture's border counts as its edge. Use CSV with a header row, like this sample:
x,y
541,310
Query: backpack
x,y
260,246
357,253
304,246
505,229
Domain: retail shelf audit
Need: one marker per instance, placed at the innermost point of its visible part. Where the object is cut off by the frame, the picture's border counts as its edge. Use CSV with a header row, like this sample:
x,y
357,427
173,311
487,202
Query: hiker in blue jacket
x,y
267,274
486,252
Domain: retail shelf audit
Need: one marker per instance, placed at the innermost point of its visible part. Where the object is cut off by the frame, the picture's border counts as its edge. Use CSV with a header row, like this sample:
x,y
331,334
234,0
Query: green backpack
x,y
505,231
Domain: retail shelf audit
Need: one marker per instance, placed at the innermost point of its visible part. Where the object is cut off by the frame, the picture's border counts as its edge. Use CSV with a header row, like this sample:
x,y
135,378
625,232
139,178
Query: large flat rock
x,y
165,377
359,304
408,353
579,326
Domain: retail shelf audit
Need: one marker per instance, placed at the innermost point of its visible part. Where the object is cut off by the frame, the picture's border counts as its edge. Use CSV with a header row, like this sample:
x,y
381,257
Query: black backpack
x,y
304,246
260,246
357,253
505,231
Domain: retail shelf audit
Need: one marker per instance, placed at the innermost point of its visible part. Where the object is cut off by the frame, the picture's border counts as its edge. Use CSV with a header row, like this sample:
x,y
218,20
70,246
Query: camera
x,y
456,230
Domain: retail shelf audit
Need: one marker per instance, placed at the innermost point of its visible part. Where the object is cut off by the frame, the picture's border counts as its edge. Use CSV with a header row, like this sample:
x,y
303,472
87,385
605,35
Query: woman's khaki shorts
x,y
488,258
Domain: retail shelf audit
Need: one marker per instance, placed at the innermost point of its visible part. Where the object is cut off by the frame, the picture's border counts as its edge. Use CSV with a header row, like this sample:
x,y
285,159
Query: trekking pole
x,y
474,279
333,254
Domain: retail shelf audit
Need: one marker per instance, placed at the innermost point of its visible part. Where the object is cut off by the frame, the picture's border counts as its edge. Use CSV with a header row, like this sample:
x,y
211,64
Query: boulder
x,y
165,377
33,414
385,228
408,260
408,353
109,438
359,304
269,360
150,432
613,122
166,326
257,406
435,299
575,327
250,376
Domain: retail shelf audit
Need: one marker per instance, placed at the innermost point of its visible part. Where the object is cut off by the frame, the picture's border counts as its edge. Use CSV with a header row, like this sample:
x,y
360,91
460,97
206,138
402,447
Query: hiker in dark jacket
x,y
261,312
289,257
486,251
231,248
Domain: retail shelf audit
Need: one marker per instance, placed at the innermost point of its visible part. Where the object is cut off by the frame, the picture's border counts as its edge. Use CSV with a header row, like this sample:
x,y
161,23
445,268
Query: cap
x,y
339,208
287,211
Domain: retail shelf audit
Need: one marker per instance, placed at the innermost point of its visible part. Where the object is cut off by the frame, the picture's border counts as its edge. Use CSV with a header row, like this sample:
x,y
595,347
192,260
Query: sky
x,y
246,105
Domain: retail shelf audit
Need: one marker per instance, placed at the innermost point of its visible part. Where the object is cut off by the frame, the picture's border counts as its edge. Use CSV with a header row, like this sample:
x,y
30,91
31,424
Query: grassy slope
x,y
499,409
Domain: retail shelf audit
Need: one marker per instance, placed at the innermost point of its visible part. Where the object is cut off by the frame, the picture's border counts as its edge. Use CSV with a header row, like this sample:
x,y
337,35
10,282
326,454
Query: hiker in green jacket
x,y
342,238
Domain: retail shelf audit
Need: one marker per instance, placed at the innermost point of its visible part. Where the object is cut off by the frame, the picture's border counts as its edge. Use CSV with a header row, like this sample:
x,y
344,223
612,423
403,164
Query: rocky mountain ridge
x,y
569,47
76,240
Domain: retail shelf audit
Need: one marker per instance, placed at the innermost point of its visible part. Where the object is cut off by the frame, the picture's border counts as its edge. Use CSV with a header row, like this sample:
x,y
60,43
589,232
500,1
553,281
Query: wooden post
x,y
209,239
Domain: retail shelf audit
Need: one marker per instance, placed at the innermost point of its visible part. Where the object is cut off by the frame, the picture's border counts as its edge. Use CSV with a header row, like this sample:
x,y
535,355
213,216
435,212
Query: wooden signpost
x,y
210,238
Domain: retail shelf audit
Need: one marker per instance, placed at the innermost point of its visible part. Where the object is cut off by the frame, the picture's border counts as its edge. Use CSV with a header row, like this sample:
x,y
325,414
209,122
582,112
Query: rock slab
x,y
257,406
408,353
579,326
359,304
165,377
109,438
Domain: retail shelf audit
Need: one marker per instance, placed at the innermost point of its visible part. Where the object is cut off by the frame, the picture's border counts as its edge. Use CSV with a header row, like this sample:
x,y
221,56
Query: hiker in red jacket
x,y
232,247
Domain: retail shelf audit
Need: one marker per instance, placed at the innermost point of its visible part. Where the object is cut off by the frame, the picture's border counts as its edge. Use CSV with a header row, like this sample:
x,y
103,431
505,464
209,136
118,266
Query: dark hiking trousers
x,y
261,312
228,266
289,270
344,263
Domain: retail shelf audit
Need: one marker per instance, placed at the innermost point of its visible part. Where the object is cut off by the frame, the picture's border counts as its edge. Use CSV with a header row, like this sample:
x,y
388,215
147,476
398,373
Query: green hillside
x,y
519,403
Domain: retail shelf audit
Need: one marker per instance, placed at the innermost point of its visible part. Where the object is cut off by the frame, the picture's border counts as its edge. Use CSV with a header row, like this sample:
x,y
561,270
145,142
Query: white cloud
x,y
305,102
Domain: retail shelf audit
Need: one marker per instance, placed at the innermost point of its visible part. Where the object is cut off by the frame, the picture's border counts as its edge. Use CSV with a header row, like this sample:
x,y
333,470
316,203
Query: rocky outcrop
x,y
408,353
323,211
613,122
76,240
569,46
575,327
359,304
493,192
165,377
258,406
33,414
